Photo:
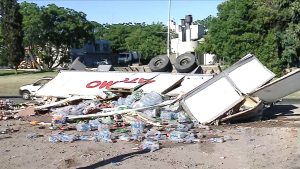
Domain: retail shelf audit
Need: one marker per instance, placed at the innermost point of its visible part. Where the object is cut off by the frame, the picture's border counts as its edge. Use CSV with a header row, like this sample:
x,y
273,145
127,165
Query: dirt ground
x,y
270,143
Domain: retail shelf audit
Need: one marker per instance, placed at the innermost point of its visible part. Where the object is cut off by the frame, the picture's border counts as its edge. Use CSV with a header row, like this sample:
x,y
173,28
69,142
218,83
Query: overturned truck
x,y
238,93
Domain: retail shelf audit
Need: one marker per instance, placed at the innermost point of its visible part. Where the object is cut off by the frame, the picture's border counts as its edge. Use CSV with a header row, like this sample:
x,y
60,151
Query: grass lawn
x,y
11,82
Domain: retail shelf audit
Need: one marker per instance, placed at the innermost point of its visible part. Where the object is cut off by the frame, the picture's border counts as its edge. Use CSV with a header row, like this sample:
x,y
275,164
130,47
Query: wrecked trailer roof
x,y
84,83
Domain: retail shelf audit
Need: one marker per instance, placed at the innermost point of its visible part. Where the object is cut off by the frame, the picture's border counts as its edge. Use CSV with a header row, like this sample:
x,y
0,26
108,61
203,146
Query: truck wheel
x,y
26,95
185,63
160,64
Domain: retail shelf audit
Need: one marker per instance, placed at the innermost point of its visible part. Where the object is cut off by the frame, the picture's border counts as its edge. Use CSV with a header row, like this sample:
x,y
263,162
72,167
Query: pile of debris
x,y
153,107
8,109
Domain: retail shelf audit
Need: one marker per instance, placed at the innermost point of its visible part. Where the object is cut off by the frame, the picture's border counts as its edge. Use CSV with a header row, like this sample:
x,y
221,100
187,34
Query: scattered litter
x,y
147,118
83,127
62,137
217,140
33,135
150,145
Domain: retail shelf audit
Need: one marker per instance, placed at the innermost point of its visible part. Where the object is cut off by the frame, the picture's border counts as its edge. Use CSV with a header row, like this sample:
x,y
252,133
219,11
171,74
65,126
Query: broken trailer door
x,y
249,74
212,99
279,88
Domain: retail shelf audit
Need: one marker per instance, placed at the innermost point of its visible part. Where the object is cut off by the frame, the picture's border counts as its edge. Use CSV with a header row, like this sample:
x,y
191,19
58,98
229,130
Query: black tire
x,y
160,64
26,95
185,63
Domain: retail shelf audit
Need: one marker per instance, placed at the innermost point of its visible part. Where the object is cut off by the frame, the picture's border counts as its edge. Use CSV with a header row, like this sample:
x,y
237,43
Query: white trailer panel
x,y
279,88
248,74
189,83
212,99
163,83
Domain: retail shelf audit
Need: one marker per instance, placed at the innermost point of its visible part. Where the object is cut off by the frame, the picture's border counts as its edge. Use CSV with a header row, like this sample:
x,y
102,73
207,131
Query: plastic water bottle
x,y
151,99
83,127
216,140
94,124
137,129
168,115
62,138
183,118
104,136
177,136
150,145
129,100
182,128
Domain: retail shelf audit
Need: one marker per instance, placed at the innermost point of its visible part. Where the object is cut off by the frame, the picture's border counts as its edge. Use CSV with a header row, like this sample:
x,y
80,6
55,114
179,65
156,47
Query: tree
x,y
150,40
11,25
204,22
50,32
267,28
32,27
3,60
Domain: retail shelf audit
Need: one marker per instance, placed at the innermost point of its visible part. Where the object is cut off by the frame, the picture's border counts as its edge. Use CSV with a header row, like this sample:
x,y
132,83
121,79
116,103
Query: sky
x,y
137,11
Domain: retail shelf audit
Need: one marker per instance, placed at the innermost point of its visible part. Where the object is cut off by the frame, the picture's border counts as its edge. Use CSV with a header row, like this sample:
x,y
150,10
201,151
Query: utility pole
x,y
168,40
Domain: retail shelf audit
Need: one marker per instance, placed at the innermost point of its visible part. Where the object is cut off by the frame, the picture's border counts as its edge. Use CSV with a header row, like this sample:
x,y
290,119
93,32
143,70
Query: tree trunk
x,y
33,59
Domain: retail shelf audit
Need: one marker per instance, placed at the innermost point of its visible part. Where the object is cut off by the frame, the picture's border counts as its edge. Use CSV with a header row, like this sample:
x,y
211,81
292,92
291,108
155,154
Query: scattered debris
x,y
148,108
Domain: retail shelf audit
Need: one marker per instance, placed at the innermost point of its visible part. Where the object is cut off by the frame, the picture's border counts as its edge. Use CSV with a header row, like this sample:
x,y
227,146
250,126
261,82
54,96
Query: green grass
x,y
11,82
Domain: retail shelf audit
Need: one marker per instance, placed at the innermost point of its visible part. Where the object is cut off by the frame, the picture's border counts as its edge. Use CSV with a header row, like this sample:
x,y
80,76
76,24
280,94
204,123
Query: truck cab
x,y
127,58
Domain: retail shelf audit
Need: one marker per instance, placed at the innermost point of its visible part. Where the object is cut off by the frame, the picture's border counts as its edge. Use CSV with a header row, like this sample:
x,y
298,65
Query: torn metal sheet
x,y
249,73
189,83
279,88
212,99
163,83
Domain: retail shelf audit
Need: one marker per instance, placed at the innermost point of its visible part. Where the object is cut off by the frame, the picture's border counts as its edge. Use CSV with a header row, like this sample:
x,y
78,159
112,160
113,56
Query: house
x,y
92,54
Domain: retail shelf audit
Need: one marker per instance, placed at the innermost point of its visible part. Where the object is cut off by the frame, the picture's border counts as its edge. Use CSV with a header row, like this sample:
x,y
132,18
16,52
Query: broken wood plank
x,y
64,101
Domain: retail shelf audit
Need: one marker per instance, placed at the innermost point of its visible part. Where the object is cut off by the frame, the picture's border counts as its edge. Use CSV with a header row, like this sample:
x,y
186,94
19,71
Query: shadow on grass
x,y
21,72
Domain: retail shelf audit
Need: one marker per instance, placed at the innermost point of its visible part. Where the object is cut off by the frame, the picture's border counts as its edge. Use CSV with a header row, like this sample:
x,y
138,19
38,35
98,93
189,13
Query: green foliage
x,y
50,32
149,40
12,50
269,29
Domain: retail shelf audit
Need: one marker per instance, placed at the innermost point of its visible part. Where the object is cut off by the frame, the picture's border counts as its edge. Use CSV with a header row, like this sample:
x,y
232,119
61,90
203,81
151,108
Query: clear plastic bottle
x,y
83,127
150,145
151,99
177,136
137,129
94,124
129,100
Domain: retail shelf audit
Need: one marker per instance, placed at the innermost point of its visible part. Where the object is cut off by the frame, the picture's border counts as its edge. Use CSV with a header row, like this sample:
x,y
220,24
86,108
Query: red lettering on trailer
x,y
107,84
145,81
93,84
